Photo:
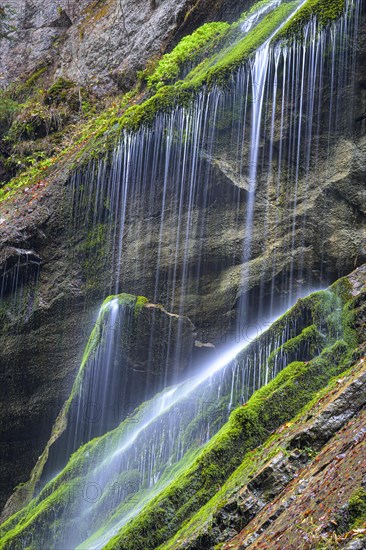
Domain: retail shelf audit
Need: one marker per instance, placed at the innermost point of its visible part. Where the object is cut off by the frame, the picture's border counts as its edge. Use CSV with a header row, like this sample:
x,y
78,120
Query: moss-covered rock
x,y
203,470
124,363
324,11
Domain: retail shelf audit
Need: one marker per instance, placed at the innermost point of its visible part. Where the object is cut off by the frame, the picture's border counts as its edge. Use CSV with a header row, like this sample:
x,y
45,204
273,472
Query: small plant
x,y
357,508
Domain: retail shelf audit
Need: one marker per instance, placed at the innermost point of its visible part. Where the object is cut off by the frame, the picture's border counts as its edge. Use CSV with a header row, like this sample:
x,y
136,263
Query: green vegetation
x,y
134,303
353,515
220,67
253,461
247,428
34,123
189,50
73,129
306,345
203,472
357,509
325,12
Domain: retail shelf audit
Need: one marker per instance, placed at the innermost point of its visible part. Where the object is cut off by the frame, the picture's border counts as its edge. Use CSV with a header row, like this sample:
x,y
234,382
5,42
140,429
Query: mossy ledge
x,y
219,51
24,493
325,12
248,428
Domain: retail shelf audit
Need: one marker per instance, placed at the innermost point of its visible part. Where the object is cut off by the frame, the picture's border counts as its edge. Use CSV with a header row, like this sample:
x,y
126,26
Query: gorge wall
x,y
56,266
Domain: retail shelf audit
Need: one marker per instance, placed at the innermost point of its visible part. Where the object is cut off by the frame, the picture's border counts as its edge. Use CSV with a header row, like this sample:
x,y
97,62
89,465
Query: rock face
x,y
126,364
99,43
342,444
298,496
48,318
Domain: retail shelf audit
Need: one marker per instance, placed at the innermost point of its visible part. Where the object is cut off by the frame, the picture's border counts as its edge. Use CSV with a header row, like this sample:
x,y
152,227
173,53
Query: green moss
x,y
325,12
141,302
295,387
135,303
357,509
247,428
34,78
189,50
219,69
253,461
8,110
304,346
58,92
99,135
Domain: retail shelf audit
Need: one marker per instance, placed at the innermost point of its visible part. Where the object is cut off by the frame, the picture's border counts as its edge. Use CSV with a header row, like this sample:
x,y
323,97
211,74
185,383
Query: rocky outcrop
x,y
125,363
319,489
99,43
294,499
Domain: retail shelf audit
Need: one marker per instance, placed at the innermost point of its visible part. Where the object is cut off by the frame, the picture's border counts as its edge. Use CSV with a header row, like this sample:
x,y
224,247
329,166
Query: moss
x,y
35,120
247,428
34,78
220,68
357,509
189,50
353,514
253,462
58,92
141,302
325,12
135,303
305,346
8,110
133,110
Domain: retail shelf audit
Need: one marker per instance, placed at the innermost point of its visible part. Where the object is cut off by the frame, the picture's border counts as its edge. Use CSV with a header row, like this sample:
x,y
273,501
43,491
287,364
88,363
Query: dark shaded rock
x,y
63,21
17,267
273,477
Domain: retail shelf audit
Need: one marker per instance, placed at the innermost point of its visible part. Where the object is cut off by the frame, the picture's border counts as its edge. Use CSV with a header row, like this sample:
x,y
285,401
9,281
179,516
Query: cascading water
x,y
155,200
225,155
109,480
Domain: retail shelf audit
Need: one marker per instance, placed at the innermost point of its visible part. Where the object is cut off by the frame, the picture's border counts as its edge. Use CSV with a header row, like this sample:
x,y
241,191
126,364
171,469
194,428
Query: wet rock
x,y
333,417
17,266
273,477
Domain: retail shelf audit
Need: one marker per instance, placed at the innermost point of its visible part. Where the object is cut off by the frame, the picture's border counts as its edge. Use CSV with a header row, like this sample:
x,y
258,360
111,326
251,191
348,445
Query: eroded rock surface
x,y
99,43
295,498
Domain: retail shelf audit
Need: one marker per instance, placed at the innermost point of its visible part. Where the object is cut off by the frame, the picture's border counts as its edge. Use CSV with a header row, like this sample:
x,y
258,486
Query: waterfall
x,y
238,154
140,221
110,479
